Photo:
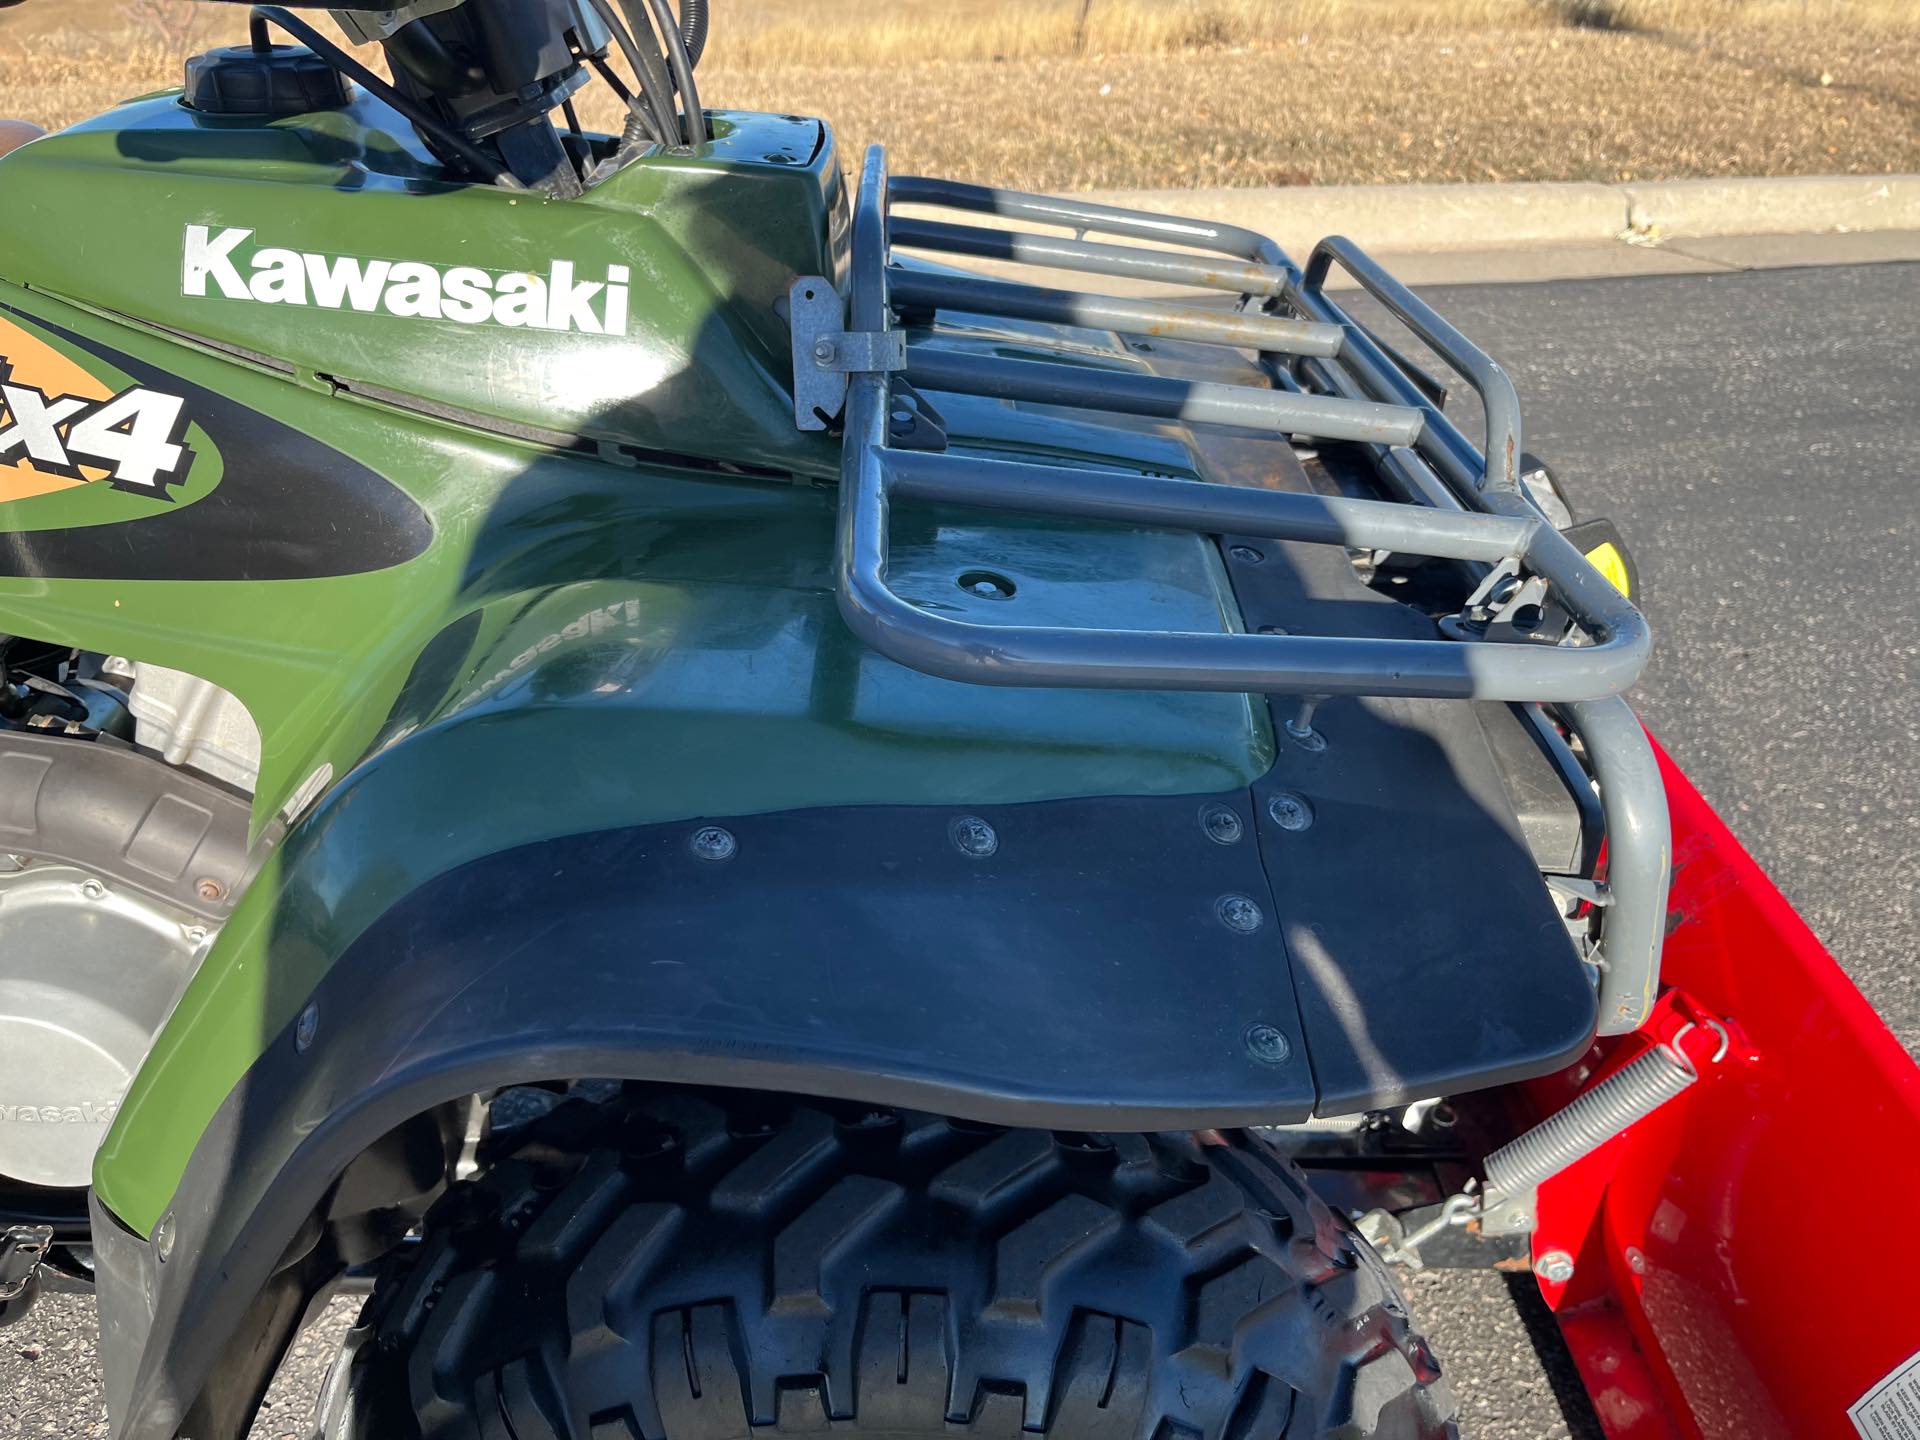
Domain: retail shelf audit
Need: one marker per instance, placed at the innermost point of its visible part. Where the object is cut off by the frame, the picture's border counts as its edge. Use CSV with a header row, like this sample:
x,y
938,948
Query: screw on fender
x,y
974,837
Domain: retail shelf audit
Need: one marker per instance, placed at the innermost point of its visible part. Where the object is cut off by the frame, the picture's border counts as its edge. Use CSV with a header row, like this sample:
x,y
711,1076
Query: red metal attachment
x,y
1698,1304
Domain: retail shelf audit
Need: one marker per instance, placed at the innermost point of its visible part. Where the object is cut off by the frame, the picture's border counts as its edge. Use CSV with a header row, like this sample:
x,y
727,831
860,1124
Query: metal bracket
x,y
1398,1246
22,1248
1509,1202
1592,892
1509,1214
825,352
1495,1216
913,421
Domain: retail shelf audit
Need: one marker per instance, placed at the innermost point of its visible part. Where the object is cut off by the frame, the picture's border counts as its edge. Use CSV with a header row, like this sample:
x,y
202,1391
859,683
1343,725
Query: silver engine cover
x,y
116,872
87,974
189,721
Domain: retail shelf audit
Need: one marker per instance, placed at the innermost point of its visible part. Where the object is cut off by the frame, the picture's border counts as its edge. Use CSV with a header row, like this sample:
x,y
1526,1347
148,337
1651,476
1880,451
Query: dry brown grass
x,y
1358,110
1225,92
780,33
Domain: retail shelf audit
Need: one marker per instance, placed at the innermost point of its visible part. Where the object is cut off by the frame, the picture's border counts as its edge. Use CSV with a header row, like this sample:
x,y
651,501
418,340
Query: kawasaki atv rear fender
x,y
754,951
532,654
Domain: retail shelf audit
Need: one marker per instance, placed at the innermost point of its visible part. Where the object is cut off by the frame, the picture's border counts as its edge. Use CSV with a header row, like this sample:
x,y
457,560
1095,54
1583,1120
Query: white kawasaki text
x,y
410,289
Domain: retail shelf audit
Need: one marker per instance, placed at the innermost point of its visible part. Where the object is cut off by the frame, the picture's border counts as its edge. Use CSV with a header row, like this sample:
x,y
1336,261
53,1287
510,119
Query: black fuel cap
x,y
274,80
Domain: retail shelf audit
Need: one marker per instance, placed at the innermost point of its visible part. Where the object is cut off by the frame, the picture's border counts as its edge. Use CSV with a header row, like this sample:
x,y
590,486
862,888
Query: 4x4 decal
x,y
134,440
253,499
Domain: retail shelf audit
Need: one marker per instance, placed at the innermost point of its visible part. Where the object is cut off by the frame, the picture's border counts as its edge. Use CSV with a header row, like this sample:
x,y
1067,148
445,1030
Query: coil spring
x,y
1631,1093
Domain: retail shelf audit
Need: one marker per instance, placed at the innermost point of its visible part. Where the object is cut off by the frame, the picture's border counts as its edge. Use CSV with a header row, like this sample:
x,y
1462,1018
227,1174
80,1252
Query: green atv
x,y
753,832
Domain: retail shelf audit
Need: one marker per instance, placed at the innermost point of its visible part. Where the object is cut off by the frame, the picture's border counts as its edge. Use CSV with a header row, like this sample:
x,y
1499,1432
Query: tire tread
x,y
684,1266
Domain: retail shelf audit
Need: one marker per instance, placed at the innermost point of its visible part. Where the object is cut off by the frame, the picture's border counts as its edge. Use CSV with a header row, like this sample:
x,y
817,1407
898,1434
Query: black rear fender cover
x,y
1115,964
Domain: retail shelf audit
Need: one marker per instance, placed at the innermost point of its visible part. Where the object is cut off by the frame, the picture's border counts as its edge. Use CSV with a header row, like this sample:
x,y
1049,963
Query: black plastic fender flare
x,y
1010,965
1117,964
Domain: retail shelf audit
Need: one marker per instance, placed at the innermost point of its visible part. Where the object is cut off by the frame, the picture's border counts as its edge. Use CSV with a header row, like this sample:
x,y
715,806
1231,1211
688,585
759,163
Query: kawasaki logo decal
x,y
213,267
61,426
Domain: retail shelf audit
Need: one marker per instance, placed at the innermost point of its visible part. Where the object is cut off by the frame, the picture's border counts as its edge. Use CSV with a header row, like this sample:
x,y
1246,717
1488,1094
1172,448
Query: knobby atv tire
x,y
673,1266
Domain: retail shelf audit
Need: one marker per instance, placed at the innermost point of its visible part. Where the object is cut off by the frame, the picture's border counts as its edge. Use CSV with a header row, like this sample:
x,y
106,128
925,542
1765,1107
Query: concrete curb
x,y
1806,205
1480,217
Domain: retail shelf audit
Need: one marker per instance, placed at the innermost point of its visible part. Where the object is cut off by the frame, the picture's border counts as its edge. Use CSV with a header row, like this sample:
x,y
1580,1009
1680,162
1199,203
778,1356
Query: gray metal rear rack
x,y
1331,379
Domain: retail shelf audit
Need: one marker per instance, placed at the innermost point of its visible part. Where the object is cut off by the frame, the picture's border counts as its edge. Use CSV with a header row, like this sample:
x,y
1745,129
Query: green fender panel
x,y
487,581
579,646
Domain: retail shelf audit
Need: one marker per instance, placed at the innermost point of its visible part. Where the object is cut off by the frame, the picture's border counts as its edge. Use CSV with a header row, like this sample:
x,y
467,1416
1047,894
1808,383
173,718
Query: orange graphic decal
x,y
30,364
61,427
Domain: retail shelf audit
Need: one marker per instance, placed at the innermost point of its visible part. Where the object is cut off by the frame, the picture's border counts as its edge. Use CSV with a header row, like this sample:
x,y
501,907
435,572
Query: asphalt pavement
x,y
1755,436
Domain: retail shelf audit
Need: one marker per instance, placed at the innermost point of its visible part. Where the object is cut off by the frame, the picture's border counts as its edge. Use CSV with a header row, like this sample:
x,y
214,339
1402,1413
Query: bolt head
x,y
1636,1260
973,837
986,584
823,351
712,843
1555,1267
305,1028
1306,737
163,1237
1266,1044
93,890
209,889
1222,825
1246,554
1239,914
1291,811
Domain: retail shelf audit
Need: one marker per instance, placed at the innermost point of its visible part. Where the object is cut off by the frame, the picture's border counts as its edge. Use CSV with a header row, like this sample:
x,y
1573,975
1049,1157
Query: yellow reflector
x,y
1608,560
